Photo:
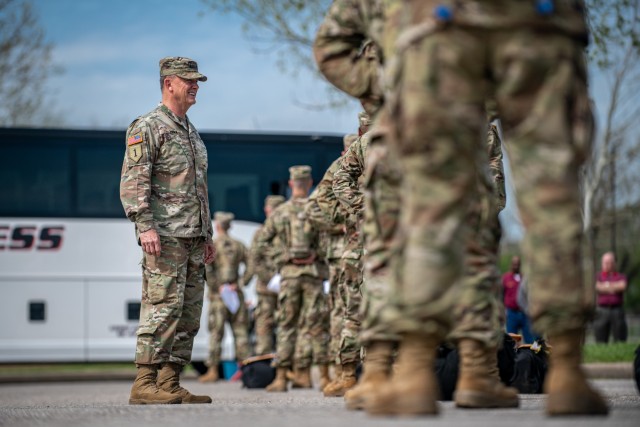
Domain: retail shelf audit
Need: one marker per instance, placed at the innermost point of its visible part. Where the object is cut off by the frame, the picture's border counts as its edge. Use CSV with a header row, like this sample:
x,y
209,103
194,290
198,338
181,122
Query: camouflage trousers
x,y
302,322
336,310
479,309
437,108
381,212
171,305
350,285
219,315
265,322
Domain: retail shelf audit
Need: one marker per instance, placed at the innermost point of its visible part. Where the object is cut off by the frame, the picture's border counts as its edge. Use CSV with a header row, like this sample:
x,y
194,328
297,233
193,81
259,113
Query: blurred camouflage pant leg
x,y
336,308
217,319
314,329
478,312
288,317
381,213
265,319
240,326
437,107
352,297
172,292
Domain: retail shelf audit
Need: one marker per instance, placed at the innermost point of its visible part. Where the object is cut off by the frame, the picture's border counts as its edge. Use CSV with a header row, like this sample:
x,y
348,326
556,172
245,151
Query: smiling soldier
x,y
163,189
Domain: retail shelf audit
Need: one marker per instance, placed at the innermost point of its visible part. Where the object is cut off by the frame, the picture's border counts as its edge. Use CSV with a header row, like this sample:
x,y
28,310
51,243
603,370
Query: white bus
x,y
69,264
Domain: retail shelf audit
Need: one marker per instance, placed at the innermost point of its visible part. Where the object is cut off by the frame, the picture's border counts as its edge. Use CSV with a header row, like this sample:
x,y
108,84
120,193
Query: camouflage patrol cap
x,y
299,172
274,200
364,119
223,218
182,67
349,139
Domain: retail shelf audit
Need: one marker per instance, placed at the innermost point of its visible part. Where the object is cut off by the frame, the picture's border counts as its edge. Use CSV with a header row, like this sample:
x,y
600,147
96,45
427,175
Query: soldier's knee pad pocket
x,y
159,284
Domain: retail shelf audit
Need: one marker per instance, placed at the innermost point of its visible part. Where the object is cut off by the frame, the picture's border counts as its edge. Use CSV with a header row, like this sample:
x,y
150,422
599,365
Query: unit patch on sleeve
x,y
134,147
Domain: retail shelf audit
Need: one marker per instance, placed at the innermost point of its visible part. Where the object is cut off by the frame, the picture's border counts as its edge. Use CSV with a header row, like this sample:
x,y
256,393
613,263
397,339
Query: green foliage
x,y
606,353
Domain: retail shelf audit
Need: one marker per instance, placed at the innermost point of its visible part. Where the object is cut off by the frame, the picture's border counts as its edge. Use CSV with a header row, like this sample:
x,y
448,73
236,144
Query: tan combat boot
x,y
346,381
301,378
280,383
145,391
479,385
337,370
376,374
325,379
169,381
568,392
211,376
413,389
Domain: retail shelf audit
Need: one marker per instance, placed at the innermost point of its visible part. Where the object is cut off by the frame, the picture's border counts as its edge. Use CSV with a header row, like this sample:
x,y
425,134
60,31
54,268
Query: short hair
x,y
162,79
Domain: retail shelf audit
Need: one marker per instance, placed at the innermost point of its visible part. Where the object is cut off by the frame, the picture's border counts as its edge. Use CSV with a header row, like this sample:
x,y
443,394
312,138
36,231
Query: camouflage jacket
x,y
263,258
347,49
278,227
347,179
230,254
164,176
346,186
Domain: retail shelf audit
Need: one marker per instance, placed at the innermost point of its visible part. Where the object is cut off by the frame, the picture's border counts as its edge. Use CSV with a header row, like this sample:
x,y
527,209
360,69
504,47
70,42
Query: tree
x,y
286,28
25,66
615,54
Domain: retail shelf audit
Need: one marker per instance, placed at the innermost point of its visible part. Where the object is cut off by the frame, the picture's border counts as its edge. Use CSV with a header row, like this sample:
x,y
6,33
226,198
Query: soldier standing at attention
x,y
264,266
323,210
346,187
301,291
443,60
223,278
163,189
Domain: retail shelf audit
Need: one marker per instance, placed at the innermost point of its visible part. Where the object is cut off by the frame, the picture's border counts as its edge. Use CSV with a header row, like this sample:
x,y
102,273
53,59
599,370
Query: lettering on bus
x,y
28,237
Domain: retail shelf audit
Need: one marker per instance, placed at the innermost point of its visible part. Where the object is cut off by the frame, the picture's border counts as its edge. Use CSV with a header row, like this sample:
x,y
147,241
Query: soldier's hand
x,y
150,242
209,252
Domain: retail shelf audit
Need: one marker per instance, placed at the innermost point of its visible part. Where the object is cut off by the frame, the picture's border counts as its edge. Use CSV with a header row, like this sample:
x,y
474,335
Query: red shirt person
x,y
610,288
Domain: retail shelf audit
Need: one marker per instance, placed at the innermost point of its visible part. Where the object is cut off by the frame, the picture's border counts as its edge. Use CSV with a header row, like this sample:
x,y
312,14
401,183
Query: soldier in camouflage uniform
x,y
478,310
528,55
265,268
323,210
302,271
347,192
223,276
163,189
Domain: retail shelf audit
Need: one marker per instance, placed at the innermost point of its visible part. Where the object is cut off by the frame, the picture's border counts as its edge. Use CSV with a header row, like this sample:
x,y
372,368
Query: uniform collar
x,y
182,122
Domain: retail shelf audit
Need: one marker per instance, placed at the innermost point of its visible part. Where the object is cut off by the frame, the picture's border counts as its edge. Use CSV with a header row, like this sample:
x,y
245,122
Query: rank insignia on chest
x,y
135,152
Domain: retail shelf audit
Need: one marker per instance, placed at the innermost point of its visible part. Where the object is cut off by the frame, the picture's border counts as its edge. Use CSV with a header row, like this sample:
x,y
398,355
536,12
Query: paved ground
x,y
104,403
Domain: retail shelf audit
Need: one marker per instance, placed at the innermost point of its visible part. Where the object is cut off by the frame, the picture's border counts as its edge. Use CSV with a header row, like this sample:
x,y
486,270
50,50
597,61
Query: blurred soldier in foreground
x,y
226,298
529,57
264,266
163,190
478,310
301,293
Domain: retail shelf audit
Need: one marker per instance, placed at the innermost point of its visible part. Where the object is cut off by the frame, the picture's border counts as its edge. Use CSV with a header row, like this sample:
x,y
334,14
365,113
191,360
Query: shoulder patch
x,y
135,139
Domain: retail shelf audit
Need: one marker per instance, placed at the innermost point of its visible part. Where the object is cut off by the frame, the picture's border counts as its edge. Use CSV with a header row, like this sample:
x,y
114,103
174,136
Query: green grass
x,y
605,353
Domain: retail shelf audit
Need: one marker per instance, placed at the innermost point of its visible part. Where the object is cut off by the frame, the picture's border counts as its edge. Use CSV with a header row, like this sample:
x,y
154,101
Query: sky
x,y
109,52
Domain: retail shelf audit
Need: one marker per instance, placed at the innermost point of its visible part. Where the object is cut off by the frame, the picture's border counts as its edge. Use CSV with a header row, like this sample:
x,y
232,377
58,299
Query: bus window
x,y
133,310
98,181
40,181
37,311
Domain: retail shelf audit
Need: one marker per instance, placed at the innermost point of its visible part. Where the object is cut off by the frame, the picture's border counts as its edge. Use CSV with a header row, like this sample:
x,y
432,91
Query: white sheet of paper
x,y
274,283
230,298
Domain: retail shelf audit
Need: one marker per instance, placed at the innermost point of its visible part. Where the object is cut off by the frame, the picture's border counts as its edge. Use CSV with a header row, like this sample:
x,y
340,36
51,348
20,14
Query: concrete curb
x,y
622,370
